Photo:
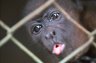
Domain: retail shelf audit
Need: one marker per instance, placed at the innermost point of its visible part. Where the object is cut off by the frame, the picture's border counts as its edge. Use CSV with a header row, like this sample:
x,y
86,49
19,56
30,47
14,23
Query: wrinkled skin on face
x,y
56,33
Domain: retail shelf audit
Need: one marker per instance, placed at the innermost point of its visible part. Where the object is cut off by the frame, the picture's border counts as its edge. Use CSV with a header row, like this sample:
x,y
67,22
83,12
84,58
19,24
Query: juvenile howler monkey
x,y
53,30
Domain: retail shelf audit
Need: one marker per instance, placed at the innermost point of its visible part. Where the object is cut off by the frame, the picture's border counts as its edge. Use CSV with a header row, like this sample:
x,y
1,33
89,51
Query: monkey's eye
x,y
37,28
54,15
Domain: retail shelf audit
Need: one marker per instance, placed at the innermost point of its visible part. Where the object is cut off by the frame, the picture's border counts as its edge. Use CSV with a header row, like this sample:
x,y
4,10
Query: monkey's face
x,y
54,32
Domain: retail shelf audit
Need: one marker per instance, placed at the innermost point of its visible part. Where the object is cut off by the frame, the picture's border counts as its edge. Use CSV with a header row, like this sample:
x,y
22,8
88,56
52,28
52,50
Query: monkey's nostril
x,y
46,37
54,33
50,35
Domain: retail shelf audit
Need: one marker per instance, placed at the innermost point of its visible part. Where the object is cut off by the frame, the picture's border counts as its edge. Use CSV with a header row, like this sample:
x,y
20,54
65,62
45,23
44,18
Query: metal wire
x,y
11,30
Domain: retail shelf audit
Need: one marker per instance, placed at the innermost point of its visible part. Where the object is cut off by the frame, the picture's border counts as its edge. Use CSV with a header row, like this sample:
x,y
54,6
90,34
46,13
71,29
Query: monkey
x,y
53,30
88,20
88,14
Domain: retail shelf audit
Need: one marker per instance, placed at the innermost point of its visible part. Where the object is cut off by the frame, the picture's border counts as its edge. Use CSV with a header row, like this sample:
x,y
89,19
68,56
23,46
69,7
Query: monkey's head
x,y
54,31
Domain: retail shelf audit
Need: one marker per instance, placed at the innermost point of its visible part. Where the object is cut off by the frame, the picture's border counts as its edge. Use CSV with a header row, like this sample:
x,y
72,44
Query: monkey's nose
x,y
50,35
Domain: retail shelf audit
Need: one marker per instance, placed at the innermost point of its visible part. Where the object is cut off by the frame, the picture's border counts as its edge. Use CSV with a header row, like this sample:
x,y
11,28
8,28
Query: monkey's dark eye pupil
x,y
54,16
37,28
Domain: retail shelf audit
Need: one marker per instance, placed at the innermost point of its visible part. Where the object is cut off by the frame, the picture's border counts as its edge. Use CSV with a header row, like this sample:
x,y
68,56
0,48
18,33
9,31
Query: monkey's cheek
x,y
58,49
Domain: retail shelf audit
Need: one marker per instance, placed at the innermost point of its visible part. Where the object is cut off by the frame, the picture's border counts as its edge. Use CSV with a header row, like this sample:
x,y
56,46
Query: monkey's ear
x,y
78,5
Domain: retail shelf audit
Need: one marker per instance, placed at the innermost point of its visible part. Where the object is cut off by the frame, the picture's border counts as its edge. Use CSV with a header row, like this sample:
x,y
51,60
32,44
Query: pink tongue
x,y
58,48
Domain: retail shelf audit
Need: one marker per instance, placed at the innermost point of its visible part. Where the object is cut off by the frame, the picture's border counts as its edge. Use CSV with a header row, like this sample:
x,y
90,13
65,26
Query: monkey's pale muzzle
x,y
58,49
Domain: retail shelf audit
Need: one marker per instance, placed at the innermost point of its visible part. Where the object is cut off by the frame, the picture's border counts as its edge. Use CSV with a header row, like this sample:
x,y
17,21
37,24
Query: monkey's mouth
x,y
58,49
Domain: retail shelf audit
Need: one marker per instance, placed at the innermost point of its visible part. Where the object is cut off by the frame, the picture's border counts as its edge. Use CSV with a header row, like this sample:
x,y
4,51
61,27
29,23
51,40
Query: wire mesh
x,y
11,30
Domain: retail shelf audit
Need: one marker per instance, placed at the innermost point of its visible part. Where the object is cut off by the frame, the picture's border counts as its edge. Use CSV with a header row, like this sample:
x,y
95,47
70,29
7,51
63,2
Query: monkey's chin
x,y
58,49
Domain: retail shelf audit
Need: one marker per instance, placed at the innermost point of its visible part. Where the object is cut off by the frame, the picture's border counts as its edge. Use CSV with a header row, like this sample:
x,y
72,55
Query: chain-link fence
x,y
11,30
